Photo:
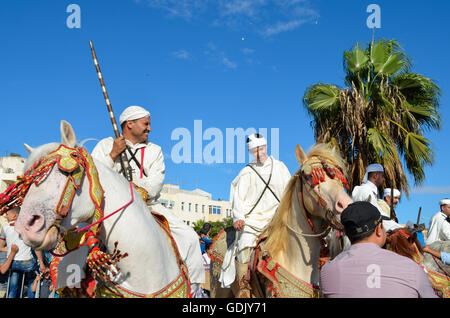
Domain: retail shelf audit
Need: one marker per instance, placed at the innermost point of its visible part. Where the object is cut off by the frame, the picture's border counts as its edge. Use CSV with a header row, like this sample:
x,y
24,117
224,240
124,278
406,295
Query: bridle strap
x,y
318,176
308,217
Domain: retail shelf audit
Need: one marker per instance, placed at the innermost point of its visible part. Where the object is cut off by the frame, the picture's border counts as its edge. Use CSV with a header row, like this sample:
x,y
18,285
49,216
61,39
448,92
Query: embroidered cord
x,y
111,214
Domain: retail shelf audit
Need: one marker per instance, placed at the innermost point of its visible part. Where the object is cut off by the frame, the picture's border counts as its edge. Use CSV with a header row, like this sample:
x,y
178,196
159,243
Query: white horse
x,y
313,201
150,265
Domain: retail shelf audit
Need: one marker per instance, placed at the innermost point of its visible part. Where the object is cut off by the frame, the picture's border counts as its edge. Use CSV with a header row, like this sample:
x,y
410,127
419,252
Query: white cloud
x,y
248,51
249,8
431,190
255,16
282,27
218,57
228,63
186,9
181,54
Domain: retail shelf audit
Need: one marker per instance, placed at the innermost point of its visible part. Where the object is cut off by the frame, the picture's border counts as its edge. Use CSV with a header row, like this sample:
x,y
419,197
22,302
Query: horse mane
x,y
38,153
402,241
277,230
41,151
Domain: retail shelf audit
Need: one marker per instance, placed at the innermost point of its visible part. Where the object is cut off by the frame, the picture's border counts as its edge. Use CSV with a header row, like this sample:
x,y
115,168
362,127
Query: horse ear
x,y
300,154
28,148
67,135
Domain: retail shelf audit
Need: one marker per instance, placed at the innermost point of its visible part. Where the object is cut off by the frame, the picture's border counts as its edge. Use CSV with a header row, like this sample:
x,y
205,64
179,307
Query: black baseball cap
x,y
361,217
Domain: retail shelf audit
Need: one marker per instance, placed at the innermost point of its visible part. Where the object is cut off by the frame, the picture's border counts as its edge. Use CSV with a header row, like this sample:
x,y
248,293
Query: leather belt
x,y
26,261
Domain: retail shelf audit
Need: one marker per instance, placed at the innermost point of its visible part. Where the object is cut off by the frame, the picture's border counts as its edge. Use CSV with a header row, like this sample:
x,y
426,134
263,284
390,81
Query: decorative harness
x,y
75,163
282,282
439,282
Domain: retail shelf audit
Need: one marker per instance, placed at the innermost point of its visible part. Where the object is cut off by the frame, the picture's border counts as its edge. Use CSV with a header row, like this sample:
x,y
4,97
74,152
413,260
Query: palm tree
x,y
381,114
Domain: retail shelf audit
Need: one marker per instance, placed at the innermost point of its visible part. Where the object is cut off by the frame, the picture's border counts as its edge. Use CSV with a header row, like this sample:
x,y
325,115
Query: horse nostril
x,y
340,206
33,220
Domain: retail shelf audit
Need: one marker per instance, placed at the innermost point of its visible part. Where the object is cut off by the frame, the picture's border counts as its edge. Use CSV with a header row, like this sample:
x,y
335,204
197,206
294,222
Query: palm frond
x,y
321,97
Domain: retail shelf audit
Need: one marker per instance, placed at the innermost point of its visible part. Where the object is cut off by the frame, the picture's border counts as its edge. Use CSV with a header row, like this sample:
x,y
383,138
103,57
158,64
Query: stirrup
x,y
244,288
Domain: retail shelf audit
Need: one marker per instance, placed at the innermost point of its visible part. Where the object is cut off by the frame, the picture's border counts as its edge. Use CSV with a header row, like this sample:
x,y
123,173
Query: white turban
x,y
132,113
387,192
374,167
444,202
254,141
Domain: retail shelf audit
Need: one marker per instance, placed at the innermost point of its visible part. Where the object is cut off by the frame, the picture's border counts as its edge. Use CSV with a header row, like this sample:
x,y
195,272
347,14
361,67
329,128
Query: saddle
x,y
268,276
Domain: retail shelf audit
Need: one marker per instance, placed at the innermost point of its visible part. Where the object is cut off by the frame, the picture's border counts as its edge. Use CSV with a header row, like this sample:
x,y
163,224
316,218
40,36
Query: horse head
x,y
313,199
53,192
320,184
404,241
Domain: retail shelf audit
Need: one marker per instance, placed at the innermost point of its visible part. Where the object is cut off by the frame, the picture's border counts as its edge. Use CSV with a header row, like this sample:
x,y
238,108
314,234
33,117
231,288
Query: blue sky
x,y
229,64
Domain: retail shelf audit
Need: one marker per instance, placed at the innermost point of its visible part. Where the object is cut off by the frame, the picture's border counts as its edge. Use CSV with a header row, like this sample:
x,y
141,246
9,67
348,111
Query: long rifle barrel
x,y
126,169
418,217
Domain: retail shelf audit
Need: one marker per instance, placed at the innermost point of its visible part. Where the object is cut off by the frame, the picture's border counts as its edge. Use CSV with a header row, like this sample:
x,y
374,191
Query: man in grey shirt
x,y
366,270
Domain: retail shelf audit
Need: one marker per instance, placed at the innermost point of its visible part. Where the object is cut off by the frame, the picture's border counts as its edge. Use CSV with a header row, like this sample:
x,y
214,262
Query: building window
x,y
213,209
190,204
196,207
203,208
182,206
171,204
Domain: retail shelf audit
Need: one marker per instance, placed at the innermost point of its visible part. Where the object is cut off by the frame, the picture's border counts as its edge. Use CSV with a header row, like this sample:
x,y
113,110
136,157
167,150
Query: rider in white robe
x,y
368,191
252,207
150,176
440,224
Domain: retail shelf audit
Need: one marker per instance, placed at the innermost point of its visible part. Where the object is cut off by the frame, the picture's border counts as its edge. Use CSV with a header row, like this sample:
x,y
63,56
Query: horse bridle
x,y
72,162
312,173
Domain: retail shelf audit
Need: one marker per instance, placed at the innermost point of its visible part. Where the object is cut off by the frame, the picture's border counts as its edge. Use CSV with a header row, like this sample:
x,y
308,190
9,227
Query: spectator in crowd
x,y
7,264
366,270
207,263
443,256
387,202
368,191
440,224
24,262
204,236
45,285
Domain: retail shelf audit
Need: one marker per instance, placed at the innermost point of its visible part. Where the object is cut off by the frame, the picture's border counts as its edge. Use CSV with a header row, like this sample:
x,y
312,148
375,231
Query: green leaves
x,y
356,59
386,59
392,65
321,97
418,154
378,142
380,115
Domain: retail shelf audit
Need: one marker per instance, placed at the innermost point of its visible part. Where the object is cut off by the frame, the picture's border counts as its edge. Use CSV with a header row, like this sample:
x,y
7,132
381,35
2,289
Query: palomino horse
x,y
286,262
404,242
67,187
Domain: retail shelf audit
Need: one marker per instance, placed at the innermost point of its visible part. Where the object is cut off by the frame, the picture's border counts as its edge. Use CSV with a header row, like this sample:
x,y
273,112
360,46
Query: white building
x,y
10,168
195,205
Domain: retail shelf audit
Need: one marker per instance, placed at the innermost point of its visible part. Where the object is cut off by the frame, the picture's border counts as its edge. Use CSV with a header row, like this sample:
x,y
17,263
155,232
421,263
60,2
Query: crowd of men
x,y
255,195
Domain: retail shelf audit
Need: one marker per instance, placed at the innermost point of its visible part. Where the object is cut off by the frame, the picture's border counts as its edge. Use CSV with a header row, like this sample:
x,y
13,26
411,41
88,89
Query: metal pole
x,y
126,168
38,289
9,281
23,283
